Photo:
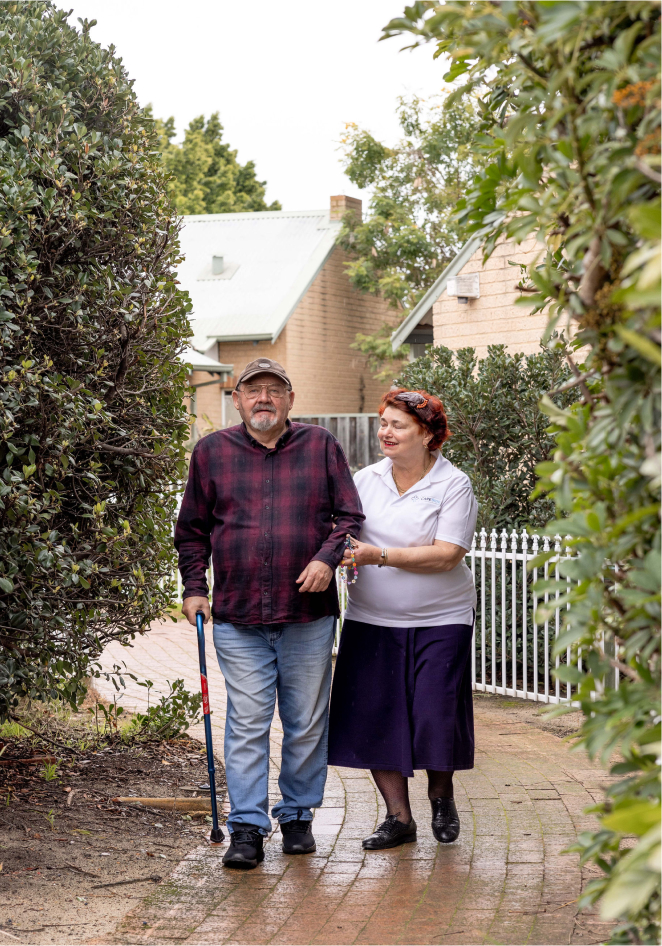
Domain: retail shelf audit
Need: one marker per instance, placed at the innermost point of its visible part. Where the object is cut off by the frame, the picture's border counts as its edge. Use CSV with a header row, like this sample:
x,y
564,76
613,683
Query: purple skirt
x,y
401,698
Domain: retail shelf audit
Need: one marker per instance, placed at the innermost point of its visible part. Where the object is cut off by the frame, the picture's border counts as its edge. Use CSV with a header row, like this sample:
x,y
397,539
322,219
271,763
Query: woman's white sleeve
x,y
457,515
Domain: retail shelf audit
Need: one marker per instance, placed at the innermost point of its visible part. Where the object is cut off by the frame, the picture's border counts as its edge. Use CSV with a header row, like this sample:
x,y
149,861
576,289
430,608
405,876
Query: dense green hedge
x,y
91,320
498,432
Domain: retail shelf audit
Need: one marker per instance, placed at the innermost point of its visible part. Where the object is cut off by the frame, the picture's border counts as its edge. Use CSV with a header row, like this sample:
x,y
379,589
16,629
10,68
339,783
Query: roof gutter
x,y
241,338
289,304
199,362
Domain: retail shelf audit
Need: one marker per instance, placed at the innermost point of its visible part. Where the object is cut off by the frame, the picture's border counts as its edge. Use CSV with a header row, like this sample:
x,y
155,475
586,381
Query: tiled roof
x,y
270,260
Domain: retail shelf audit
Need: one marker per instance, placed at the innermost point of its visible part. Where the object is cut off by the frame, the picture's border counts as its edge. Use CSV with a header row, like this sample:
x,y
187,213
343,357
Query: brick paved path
x,y
504,881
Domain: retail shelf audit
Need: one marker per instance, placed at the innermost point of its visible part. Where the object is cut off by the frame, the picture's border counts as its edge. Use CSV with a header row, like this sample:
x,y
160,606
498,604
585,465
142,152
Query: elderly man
x,y
272,502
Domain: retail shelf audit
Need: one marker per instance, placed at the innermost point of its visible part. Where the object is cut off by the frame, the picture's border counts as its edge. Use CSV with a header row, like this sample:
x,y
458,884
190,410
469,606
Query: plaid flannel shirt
x,y
263,515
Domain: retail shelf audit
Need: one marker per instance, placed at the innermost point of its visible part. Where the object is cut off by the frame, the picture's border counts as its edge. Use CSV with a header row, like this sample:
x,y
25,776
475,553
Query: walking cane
x,y
216,835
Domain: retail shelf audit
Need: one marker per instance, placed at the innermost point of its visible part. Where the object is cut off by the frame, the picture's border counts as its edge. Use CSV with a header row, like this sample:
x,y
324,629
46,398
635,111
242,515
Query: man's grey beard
x,y
265,423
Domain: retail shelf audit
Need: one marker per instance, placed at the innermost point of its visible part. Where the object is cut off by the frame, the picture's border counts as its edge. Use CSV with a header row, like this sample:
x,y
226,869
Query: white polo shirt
x,y
440,506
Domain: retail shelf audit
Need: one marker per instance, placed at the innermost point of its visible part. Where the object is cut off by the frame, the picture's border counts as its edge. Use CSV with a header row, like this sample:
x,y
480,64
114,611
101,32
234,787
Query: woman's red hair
x,y
430,416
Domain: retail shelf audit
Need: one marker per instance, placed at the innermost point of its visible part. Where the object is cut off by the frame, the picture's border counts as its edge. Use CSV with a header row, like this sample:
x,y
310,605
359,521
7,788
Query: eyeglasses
x,y
274,391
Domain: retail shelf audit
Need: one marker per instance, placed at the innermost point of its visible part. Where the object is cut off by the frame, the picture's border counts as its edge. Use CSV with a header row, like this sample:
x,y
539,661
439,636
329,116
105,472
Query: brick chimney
x,y
340,205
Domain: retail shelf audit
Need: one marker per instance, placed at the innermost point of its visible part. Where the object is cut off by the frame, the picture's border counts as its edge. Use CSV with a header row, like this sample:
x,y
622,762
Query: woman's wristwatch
x,y
384,558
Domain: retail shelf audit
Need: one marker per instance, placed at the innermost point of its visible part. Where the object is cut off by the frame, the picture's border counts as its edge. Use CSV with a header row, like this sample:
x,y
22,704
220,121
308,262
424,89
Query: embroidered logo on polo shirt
x,y
425,499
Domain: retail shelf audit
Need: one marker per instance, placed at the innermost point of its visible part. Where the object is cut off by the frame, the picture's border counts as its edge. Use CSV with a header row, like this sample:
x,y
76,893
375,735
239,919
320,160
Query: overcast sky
x,y
285,77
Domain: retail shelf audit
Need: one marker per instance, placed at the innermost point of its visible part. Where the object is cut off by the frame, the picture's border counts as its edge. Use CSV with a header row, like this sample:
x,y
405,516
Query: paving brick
x,y
505,880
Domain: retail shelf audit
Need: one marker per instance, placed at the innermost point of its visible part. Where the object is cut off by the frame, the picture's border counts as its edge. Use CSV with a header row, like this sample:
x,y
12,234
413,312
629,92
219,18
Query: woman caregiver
x,y
401,696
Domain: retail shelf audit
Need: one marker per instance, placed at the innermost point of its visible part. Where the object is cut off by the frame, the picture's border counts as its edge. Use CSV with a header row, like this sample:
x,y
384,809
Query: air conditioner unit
x,y
465,287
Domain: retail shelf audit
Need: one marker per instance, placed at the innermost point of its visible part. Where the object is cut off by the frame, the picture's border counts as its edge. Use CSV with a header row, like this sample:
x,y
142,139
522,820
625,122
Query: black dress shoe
x,y
445,820
245,851
390,833
298,837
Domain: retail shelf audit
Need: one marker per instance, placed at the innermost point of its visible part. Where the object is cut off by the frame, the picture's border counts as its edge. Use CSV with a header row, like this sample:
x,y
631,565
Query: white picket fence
x,y
511,650
512,647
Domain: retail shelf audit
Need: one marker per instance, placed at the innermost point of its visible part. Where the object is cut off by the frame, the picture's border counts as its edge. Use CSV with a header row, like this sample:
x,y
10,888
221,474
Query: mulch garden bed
x,y
64,842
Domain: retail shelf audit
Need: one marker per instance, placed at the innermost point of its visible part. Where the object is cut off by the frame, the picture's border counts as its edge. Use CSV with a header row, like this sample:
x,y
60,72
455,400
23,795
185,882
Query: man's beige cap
x,y
263,366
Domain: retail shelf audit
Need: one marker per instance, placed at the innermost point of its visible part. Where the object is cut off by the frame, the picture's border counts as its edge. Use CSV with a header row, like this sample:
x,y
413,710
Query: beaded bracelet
x,y
343,569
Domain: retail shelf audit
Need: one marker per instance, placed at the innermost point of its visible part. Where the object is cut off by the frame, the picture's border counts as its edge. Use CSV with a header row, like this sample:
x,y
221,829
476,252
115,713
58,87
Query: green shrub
x,y
498,432
91,323
170,717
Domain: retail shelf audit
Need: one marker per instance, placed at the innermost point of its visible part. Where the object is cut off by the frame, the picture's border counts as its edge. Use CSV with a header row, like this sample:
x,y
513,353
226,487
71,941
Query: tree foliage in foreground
x,y
498,432
409,234
204,174
571,130
91,323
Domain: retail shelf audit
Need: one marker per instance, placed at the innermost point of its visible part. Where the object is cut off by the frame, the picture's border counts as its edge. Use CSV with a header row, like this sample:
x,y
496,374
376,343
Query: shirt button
x,y
266,592
267,506
268,481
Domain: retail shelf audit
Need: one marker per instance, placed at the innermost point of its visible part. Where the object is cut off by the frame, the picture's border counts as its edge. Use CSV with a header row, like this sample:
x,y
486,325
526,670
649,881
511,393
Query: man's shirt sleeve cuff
x,y
332,560
195,591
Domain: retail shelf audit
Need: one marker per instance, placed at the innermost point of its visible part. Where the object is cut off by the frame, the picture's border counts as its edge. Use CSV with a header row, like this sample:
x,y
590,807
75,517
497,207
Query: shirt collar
x,y
284,437
441,470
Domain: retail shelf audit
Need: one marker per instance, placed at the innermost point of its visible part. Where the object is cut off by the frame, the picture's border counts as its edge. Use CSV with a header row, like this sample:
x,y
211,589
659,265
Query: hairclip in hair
x,y
413,399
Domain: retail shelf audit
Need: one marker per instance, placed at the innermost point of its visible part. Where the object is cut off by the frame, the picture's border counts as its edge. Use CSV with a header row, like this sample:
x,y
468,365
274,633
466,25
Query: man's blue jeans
x,y
258,662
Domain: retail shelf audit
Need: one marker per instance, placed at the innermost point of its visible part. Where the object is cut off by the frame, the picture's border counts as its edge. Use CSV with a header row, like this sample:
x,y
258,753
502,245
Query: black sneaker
x,y
390,833
445,820
245,851
298,837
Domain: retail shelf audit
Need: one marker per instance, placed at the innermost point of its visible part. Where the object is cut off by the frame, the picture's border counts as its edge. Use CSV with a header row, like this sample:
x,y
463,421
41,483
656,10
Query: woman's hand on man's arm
x,y
364,554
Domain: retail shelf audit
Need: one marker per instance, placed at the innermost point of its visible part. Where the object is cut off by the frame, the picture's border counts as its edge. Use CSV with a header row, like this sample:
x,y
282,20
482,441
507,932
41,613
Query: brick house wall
x,y
328,376
493,318
208,401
